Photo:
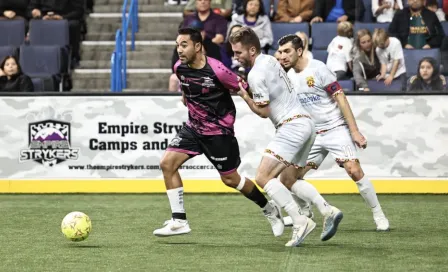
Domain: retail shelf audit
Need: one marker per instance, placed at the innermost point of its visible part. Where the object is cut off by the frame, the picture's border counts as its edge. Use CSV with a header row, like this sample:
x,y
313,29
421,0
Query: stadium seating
x,y
281,29
12,32
42,62
413,56
322,34
378,86
7,51
445,27
347,85
38,83
320,55
370,26
368,16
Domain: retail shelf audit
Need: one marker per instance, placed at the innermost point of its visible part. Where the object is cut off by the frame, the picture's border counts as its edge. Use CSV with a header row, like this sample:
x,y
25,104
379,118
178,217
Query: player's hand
x,y
359,139
242,92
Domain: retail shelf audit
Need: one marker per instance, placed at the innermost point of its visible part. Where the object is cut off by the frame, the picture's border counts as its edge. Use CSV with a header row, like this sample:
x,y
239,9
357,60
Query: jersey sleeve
x,y
259,89
227,78
329,83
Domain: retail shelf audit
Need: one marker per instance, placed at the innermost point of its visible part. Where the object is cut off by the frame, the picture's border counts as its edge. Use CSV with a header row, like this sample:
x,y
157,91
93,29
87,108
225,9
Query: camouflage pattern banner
x,y
125,137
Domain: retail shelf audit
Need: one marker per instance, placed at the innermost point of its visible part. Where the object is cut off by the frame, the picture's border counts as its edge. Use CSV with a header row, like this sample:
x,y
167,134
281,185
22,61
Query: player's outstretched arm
x,y
260,110
346,110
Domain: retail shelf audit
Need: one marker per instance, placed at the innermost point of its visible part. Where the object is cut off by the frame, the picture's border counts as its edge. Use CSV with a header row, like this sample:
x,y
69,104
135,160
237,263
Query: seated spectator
x,y
209,48
11,77
215,26
220,7
293,11
417,27
433,6
306,44
255,17
428,77
227,52
390,54
13,9
384,10
339,51
366,64
334,11
70,10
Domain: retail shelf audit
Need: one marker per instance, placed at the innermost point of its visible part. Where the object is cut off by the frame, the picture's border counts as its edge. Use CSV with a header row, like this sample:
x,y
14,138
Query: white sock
x,y
176,198
367,192
302,203
309,193
280,194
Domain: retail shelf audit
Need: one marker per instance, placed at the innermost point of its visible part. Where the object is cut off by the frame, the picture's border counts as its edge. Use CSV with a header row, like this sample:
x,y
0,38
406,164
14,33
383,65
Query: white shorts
x,y
292,142
336,141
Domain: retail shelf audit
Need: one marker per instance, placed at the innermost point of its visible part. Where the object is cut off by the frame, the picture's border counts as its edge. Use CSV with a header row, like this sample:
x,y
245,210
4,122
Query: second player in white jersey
x,y
336,128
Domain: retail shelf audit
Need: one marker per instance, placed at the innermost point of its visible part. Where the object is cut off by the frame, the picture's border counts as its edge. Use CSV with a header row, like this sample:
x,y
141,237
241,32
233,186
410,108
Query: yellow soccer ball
x,y
76,226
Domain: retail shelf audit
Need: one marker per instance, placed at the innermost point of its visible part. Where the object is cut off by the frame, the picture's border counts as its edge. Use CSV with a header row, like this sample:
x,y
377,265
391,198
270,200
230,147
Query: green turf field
x,y
229,234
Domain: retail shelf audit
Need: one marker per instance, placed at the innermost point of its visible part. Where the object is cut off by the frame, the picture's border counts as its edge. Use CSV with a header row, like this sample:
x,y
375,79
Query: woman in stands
x,y
366,64
254,16
306,52
384,10
428,77
11,77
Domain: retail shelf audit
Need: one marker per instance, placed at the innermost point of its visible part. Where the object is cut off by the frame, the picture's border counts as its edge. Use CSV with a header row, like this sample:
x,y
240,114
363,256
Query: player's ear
x,y
252,50
300,52
198,47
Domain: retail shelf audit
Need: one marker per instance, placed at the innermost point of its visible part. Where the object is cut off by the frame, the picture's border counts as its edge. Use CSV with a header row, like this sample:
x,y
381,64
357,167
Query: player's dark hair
x,y
295,40
247,37
194,34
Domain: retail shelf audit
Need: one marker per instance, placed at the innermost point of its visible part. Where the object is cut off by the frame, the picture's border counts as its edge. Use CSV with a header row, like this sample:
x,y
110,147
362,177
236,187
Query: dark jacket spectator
x,y
19,7
294,11
428,77
68,9
329,10
400,27
11,77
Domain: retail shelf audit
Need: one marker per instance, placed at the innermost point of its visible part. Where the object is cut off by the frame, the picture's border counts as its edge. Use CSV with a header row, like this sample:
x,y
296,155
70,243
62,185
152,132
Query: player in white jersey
x,y
274,97
336,128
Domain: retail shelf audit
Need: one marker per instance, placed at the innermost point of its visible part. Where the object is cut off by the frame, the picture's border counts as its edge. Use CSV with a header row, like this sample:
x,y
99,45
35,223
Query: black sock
x,y
182,216
256,196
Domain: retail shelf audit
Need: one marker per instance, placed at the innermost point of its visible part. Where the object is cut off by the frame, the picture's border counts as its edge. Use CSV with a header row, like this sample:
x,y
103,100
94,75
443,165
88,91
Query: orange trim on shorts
x,y
293,118
342,161
325,130
280,158
312,164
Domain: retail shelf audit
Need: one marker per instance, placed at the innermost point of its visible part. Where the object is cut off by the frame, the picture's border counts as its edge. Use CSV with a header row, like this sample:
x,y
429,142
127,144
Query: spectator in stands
x,y
433,6
334,11
11,77
70,10
13,9
384,10
417,27
306,52
215,26
293,11
255,17
391,57
220,7
366,64
339,51
227,52
428,77
209,48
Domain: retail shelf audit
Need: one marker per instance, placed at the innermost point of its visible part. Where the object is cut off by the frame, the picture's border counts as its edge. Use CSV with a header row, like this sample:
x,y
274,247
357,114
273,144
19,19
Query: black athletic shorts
x,y
221,150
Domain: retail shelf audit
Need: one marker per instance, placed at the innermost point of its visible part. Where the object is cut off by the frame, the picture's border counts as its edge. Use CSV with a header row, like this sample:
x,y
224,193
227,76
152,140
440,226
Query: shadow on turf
x,y
83,246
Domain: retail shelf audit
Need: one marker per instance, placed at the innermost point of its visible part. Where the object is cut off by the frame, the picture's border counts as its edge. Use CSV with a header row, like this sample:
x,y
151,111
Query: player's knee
x,y
167,165
354,170
231,180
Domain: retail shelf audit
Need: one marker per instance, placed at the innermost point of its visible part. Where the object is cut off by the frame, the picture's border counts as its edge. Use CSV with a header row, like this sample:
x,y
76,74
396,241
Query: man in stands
x,y
334,11
215,26
13,9
292,11
220,7
70,10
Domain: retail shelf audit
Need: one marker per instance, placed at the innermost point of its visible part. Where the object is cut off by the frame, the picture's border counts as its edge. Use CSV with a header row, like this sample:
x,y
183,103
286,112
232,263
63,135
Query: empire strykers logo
x,y
49,143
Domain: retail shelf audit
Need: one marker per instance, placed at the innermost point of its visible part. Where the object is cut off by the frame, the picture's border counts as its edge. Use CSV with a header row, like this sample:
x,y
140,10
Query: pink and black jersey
x,y
211,110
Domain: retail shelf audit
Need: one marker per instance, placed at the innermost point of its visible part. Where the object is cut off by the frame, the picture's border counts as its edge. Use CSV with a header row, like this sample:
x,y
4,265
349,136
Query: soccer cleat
x,y
275,219
299,233
173,227
287,220
382,224
331,223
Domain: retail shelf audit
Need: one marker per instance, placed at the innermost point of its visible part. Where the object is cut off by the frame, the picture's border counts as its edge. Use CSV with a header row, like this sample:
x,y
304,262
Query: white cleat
x,y
287,220
382,224
173,227
275,219
331,223
299,233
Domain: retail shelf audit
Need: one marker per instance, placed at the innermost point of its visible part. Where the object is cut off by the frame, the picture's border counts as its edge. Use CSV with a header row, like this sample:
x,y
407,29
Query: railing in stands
x,y
118,76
